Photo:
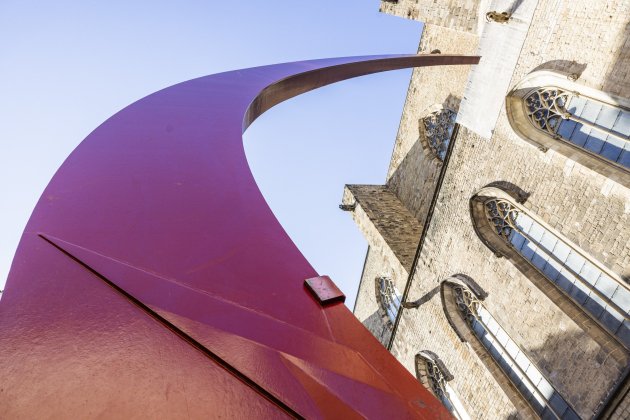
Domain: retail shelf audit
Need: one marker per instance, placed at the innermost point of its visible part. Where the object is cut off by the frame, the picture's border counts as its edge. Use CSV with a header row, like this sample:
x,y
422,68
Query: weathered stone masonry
x,y
590,39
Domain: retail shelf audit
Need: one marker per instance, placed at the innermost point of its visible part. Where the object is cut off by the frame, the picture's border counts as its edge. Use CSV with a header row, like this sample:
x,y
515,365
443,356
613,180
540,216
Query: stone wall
x,y
622,411
367,310
559,346
381,217
590,38
385,213
413,170
587,38
461,15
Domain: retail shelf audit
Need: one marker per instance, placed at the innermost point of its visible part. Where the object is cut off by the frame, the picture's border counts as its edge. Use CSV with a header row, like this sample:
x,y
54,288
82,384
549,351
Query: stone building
x,y
498,266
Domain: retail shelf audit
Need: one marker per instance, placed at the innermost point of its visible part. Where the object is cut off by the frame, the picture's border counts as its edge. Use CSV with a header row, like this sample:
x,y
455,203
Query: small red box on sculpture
x,y
325,290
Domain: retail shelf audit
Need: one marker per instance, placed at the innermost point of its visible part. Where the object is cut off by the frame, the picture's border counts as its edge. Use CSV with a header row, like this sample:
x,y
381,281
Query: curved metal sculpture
x,y
153,280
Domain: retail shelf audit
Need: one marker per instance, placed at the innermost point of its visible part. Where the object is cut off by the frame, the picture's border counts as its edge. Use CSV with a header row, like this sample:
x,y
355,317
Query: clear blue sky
x,y
66,66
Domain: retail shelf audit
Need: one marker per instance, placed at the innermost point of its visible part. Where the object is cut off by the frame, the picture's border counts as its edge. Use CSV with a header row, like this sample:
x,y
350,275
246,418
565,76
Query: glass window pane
x,y
545,388
552,269
523,222
622,125
483,315
622,298
495,352
589,272
575,262
565,280
595,141
522,361
595,305
529,250
570,415
517,240
561,251
540,259
606,285
512,349
624,332
566,128
492,326
502,337
608,116
591,111
611,319
576,105
515,376
547,414
479,329
579,292
536,232
612,148
580,134
534,375
548,241
557,403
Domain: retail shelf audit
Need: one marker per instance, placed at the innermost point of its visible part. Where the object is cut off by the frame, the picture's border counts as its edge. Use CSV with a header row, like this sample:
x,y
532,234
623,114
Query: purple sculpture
x,y
153,280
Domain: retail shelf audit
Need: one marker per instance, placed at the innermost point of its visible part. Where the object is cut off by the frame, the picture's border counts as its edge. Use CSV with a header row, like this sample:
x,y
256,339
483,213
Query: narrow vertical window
x,y
432,373
389,298
602,296
517,366
594,126
438,130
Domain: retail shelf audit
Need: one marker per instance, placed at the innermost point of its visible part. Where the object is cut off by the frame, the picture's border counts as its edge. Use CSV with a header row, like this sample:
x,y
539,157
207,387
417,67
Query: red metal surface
x,y
153,280
325,290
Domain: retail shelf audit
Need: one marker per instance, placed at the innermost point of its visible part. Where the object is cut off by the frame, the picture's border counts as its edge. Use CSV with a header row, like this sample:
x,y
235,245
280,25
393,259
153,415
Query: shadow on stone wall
x,y
424,299
565,66
514,7
616,80
377,326
519,194
415,178
452,102
585,378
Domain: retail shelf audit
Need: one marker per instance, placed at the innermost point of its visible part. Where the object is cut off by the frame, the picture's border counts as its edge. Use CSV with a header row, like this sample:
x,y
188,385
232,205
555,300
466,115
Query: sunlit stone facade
x,y
533,222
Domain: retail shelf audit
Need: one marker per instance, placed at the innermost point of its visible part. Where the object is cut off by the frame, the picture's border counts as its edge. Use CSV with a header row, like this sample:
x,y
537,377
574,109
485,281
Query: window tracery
x,y
606,299
517,366
439,127
389,297
594,126
437,380
502,215
435,377
467,303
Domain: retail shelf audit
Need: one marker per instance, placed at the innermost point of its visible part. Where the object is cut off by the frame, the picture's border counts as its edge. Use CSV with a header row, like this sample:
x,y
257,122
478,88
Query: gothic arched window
x,y
589,285
552,111
389,298
515,364
432,373
595,126
438,128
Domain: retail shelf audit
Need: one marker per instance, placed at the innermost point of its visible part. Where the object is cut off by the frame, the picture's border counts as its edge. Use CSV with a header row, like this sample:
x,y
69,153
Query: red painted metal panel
x,y
325,290
153,280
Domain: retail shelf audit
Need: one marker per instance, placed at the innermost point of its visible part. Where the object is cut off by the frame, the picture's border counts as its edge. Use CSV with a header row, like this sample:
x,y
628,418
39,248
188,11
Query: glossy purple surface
x,y
153,280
